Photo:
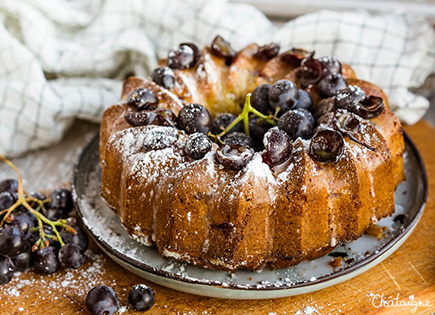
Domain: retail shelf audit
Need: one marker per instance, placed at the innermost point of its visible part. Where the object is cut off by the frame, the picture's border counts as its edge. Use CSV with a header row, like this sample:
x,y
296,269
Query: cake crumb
x,y
336,262
376,231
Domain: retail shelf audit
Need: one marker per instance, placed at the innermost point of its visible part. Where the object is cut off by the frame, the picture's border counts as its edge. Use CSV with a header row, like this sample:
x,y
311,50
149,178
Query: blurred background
x,y
285,9
280,11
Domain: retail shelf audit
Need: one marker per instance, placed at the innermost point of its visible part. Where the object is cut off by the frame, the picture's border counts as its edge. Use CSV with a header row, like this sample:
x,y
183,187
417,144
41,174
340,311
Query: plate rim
x,y
254,287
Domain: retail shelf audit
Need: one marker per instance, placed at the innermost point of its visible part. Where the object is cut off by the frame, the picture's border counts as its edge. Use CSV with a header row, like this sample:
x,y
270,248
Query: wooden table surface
x,y
408,274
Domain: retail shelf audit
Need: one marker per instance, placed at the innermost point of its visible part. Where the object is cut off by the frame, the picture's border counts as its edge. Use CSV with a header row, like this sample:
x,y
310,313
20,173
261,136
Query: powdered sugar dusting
x,y
71,284
262,172
351,91
159,138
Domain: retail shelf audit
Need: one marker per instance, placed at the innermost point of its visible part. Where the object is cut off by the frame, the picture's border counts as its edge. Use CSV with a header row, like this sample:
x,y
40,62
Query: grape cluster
x,y
37,231
318,106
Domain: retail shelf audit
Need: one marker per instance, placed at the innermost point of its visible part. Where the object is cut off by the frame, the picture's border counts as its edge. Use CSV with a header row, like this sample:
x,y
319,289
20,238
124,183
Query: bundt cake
x,y
238,160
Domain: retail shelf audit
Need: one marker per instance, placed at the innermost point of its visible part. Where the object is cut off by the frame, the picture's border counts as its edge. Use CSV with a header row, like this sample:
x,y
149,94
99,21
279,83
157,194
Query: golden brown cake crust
x,y
199,212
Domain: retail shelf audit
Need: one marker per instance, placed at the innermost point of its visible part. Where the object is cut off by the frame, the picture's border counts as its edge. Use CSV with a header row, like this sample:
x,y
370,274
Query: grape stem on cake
x,y
239,160
244,116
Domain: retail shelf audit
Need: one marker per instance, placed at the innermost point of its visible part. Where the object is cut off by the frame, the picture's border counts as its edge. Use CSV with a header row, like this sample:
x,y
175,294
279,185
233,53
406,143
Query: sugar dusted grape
x,y
164,76
6,269
71,256
102,300
195,118
184,57
326,145
278,146
297,123
46,261
141,297
234,156
197,145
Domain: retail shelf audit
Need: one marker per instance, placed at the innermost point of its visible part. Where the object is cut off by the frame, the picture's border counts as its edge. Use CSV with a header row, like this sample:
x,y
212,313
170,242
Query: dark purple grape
x,y
278,146
24,222
326,105
260,99
46,261
349,97
348,124
330,84
331,64
159,138
71,221
61,199
295,56
6,269
23,261
143,99
80,238
370,107
326,120
304,101
184,57
102,300
267,52
284,95
164,76
346,121
234,157
311,71
71,256
6,200
197,145
297,123
326,145
55,214
222,121
238,138
12,241
222,48
165,117
354,99
159,117
141,297
9,185
257,128
143,118
195,118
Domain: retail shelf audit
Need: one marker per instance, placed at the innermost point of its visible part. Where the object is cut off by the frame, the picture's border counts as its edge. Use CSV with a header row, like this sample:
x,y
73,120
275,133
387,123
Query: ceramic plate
x,y
359,256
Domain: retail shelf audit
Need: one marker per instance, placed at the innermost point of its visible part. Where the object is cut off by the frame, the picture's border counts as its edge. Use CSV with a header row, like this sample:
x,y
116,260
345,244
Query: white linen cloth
x,y
60,60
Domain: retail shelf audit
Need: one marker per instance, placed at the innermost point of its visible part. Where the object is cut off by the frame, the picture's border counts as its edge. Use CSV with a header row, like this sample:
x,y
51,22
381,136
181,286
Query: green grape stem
x,y
244,116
